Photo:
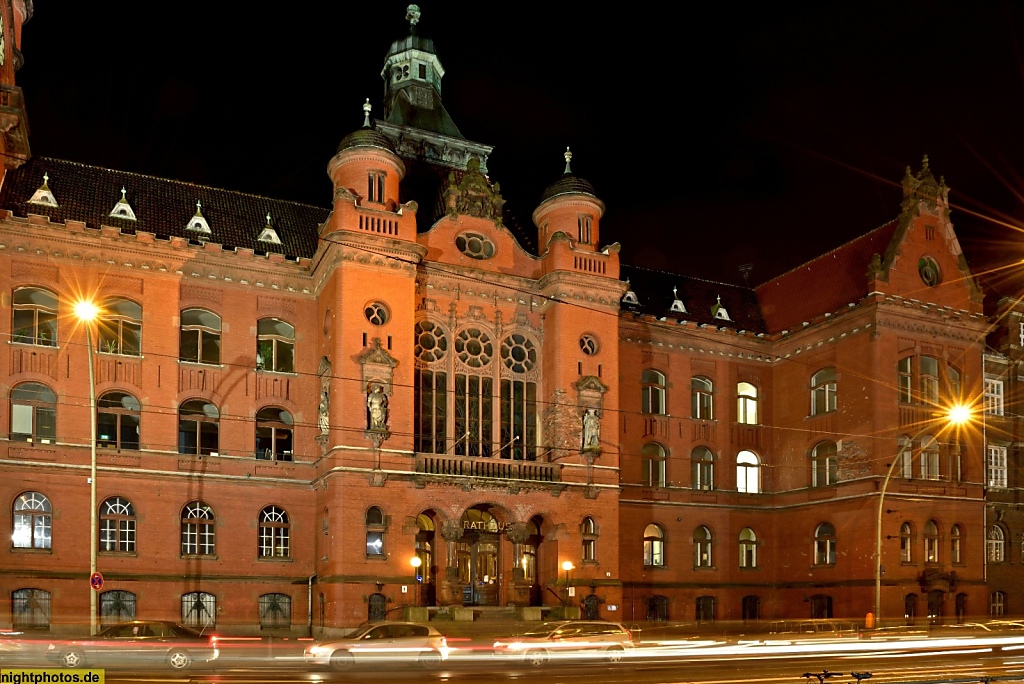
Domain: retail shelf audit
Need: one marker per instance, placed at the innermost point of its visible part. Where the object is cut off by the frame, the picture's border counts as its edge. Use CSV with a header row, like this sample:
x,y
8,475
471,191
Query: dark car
x,y
136,643
567,639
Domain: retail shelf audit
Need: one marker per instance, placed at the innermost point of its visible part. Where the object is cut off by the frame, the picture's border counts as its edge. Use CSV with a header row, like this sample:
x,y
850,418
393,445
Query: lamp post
x,y
86,313
954,416
567,566
416,562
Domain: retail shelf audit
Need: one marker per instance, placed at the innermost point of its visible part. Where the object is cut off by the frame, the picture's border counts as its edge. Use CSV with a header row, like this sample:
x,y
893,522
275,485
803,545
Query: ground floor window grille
x,y
275,611
30,609
198,610
116,606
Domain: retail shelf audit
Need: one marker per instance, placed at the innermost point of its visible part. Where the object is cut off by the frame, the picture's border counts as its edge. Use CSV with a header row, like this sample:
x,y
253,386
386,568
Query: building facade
x,y
306,417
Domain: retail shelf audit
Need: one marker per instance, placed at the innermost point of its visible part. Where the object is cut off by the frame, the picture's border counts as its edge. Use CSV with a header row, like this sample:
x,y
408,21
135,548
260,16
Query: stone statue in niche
x,y
591,430
324,412
377,406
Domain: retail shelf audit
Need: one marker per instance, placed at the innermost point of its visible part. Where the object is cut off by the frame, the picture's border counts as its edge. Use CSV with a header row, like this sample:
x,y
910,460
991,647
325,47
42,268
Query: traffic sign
x,y
96,581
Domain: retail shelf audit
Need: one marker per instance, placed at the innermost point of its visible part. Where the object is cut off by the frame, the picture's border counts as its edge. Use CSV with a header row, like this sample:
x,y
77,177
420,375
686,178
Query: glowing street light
x,y
567,566
86,312
416,562
954,416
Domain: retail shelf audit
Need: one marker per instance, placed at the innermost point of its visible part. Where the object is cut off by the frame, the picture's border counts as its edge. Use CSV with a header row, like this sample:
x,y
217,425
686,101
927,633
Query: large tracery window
x,y
474,393
431,388
518,399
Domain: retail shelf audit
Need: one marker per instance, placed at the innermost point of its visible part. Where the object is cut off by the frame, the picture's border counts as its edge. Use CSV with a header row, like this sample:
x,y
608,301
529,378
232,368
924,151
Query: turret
x,y
570,206
367,167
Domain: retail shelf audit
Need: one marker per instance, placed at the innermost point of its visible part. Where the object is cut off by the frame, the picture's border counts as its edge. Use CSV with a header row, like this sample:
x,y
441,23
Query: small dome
x,y
366,137
568,184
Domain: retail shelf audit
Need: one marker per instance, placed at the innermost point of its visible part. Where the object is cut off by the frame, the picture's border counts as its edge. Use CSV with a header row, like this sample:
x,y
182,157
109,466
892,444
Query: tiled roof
x,y
161,206
654,292
822,285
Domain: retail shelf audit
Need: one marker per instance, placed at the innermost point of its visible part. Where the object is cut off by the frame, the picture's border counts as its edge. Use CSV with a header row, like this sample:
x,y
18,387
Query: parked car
x,y
569,638
136,643
408,642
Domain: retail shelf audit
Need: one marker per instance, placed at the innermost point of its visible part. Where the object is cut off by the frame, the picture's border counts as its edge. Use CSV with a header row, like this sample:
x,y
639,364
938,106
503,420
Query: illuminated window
x,y
906,543
653,392
956,536
746,403
653,463
199,339
996,544
747,473
997,604
33,522
117,526
931,542
589,531
375,529
993,396
654,546
996,466
702,541
33,414
702,469
275,346
274,533
198,531
825,544
34,317
748,548
701,398
823,391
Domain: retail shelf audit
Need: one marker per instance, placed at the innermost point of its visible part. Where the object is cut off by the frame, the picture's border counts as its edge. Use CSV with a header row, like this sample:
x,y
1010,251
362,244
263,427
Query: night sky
x,y
716,137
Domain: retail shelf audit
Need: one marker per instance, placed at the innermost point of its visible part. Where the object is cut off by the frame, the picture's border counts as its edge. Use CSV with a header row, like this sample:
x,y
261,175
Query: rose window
x,y
518,353
431,342
474,348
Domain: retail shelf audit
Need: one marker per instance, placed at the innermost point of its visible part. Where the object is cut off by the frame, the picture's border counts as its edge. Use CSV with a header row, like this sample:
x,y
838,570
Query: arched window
x,y
198,428
825,544
906,543
199,341
518,414
117,421
30,609
275,346
931,542
35,317
997,604
746,403
996,544
701,398
274,434
273,533
748,473
116,606
653,462
376,526
473,402
653,392
33,520
702,467
905,454
824,464
589,531
929,379
275,611
117,525
904,392
654,546
705,609
956,536
432,400
823,391
702,547
119,327
929,458
33,413
198,532
748,548
198,610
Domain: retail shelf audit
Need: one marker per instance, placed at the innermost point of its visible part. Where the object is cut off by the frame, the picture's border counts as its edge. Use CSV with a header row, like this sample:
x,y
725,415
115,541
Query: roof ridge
x,y
831,251
688,277
180,182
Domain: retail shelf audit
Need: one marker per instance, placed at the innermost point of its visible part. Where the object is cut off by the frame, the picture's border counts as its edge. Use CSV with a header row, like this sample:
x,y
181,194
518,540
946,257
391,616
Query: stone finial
x,y
568,158
675,293
46,179
123,191
412,15
367,108
199,207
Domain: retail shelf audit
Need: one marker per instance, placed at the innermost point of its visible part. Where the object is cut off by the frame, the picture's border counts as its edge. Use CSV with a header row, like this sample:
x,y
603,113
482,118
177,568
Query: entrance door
x,y
478,569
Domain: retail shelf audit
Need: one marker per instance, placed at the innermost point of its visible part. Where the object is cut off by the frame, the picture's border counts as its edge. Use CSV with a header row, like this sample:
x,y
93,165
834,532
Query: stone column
x,y
450,586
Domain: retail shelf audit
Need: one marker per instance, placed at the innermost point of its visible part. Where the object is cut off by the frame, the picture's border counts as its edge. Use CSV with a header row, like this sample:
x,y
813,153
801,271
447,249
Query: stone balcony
x,y
487,468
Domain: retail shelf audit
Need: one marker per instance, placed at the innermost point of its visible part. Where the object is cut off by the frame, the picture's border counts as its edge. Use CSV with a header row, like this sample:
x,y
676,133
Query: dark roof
x,y
366,137
654,292
824,284
402,111
568,184
163,207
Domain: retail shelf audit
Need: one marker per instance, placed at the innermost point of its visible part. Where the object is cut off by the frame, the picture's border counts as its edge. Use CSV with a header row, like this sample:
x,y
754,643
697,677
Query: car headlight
x,y
318,650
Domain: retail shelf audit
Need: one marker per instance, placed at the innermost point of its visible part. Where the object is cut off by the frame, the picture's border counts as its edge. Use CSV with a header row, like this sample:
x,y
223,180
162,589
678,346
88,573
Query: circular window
x,y
377,313
929,271
588,344
474,348
518,353
431,341
475,246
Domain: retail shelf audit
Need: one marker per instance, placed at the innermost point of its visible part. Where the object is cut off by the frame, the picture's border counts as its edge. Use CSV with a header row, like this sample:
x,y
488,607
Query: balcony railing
x,y
494,468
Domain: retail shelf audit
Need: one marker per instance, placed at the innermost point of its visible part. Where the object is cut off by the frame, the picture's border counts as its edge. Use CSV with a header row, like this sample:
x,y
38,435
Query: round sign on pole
x,y
96,581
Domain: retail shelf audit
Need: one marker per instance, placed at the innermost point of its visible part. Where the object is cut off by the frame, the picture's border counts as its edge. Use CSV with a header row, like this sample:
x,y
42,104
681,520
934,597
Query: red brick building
x,y
294,402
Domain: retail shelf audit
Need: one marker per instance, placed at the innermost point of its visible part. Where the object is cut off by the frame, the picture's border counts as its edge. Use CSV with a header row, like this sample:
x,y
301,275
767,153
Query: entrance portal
x,y
478,555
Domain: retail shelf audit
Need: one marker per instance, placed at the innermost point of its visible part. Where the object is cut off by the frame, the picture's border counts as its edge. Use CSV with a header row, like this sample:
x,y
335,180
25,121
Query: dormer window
x,y
719,312
677,303
584,223
630,296
43,195
375,187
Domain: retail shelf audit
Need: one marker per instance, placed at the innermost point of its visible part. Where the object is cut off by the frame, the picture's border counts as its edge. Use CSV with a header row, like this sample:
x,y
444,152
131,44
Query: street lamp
x,y
567,566
954,416
86,313
416,562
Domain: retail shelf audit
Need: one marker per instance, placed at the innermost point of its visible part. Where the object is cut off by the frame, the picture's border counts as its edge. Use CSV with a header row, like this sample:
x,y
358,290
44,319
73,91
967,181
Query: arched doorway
x,y
478,557
425,544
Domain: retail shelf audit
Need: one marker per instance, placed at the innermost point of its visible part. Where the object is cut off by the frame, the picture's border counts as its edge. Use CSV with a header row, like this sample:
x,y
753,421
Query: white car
x,y
568,639
407,642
